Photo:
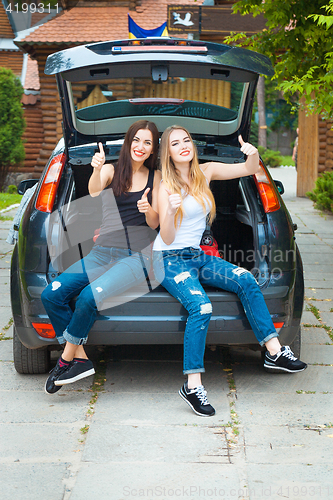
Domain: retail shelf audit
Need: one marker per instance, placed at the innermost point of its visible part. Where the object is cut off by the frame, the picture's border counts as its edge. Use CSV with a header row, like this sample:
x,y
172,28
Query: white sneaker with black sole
x,y
283,361
197,400
77,371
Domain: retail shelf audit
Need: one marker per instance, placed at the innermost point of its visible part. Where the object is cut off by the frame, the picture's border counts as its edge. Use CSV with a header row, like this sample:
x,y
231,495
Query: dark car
x,y
104,87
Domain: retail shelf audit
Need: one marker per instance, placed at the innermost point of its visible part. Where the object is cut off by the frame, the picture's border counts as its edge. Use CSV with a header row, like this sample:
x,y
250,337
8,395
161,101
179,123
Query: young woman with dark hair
x,y
185,200
120,257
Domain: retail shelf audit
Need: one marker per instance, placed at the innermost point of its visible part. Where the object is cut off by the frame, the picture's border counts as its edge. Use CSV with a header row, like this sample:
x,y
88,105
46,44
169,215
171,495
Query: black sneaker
x,y
76,371
197,400
284,361
50,386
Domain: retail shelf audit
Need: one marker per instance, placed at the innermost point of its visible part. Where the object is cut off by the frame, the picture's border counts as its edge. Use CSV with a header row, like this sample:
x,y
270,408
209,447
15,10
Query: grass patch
x,y
287,160
314,310
3,219
6,200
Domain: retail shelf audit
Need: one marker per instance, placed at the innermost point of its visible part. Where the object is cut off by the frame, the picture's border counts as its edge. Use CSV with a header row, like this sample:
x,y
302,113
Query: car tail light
x,y
278,324
266,190
48,190
44,330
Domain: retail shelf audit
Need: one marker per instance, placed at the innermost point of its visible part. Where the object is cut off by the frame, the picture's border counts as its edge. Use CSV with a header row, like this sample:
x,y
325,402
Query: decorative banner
x,y
134,31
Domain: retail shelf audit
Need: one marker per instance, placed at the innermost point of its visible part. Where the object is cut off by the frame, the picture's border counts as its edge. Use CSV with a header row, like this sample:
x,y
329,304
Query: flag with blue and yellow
x,y
134,31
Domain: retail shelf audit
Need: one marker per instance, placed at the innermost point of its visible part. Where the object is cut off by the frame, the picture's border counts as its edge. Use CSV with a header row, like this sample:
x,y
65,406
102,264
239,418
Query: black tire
x,y
29,360
295,346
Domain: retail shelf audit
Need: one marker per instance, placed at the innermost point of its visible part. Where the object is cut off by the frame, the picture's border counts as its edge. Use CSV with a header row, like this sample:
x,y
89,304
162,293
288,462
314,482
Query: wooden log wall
x,y
196,89
12,60
325,161
50,106
33,136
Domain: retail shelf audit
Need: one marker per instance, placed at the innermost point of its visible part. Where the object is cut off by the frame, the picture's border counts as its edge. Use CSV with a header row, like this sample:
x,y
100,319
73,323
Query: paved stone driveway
x,y
130,436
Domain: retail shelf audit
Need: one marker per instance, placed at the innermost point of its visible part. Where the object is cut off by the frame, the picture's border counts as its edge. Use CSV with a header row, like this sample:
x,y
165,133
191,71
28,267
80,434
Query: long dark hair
x,y
122,179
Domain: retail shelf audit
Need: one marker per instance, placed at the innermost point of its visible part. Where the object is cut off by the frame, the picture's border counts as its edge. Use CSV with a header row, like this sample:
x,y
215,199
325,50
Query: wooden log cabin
x,y
104,20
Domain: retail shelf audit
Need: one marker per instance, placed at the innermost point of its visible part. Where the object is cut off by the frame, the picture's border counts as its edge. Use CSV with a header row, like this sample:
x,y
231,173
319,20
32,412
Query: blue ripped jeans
x,y
103,273
182,272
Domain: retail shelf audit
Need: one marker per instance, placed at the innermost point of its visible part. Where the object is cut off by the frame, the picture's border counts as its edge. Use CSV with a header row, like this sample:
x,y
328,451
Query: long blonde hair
x,y
199,188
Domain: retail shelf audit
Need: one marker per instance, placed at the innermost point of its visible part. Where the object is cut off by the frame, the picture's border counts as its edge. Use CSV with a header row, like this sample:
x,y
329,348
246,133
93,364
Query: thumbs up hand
x,y
175,200
247,148
98,159
143,204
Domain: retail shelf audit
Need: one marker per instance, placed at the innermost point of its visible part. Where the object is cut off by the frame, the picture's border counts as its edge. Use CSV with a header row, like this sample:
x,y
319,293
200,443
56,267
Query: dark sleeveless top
x,y
123,226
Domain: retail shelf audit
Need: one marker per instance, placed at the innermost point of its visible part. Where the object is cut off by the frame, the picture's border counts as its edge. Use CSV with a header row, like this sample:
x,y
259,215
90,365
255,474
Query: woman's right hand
x,y
175,200
98,159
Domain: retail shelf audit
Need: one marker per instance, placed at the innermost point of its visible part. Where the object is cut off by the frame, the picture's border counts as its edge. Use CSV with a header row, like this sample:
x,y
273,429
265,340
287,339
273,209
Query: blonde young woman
x,y
184,202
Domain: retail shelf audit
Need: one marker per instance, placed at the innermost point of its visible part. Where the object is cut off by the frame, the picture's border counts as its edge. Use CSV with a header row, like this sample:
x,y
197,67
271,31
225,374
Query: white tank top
x,y
190,232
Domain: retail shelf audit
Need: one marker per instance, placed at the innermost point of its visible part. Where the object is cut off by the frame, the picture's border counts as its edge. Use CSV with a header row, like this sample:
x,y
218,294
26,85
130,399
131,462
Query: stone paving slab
x,y
253,378
155,443
324,285
315,336
318,294
36,441
318,354
289,445
327,318
326,275
157,377
38,407
5,300
28,481
5,316
150,408
309,318
323,305
295,410
311,258
155,480
6,350
317,247
296,482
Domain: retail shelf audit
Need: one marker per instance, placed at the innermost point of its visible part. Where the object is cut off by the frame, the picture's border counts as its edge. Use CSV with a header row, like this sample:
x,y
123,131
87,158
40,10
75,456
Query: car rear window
x,y
215,100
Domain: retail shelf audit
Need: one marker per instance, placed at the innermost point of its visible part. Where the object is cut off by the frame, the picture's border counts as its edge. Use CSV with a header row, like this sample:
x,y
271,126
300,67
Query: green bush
x,y
12,189
270,158
12,122
322,195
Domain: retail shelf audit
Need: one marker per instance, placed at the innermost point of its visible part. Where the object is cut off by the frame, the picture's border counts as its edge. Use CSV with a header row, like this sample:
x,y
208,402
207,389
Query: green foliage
x,y
270,158
298,39
12,123
12,189
322,195
253,139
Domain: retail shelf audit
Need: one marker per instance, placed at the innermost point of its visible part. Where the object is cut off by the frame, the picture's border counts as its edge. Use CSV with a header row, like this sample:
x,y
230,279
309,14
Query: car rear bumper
x,y
160,319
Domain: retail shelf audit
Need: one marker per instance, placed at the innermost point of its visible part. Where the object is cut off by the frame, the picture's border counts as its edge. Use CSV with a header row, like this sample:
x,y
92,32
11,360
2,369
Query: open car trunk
x,y
75,226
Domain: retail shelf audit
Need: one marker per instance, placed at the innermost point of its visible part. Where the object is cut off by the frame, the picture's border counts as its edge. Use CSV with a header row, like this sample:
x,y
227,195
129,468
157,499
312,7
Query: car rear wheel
x,y
30,360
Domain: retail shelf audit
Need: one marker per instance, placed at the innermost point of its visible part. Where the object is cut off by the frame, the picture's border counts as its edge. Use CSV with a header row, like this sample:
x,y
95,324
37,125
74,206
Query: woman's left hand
x,y
247,148
143,204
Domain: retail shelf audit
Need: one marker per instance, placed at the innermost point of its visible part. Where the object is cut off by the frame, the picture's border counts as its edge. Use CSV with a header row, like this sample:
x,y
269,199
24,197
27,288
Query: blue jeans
x,y
103,273
181,272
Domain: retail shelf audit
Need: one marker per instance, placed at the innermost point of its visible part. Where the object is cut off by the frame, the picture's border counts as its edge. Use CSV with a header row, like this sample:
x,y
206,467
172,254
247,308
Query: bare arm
x,y
102,174
167,207
224,171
